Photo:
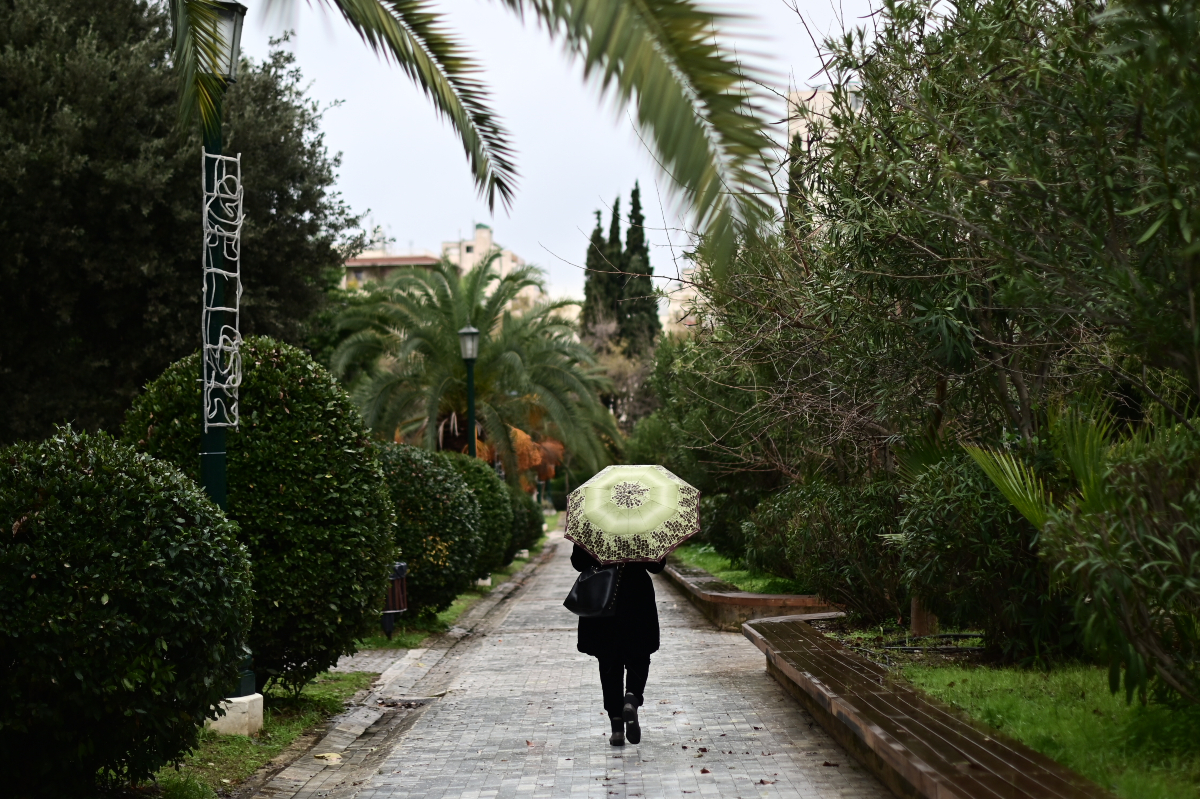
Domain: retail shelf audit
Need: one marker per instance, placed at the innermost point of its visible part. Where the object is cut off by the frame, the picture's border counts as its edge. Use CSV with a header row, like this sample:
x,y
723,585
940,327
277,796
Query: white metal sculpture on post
x,y
222,214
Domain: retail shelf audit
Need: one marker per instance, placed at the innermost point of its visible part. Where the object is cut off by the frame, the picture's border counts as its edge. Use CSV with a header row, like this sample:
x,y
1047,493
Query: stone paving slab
x,y
522,716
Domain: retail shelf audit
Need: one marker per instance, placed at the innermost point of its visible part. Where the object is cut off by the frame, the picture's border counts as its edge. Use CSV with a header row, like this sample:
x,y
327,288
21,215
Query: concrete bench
x,y
918,746
728,607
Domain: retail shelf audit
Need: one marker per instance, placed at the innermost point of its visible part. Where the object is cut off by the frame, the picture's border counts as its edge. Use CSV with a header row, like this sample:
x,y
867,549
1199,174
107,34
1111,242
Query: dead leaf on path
x,y
705,771
766,782
332,757
529,743
827,763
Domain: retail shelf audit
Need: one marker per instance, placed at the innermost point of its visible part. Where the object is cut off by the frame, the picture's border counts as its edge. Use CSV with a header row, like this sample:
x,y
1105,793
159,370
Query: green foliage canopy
x,y
531,374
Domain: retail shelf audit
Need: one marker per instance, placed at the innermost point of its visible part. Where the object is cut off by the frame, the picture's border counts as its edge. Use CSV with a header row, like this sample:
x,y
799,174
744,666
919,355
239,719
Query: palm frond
x,y
406,32
1016,482
690,96
198,46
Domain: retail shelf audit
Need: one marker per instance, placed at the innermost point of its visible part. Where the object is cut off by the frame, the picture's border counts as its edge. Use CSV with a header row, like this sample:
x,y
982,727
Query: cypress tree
x,y
639,322
597,284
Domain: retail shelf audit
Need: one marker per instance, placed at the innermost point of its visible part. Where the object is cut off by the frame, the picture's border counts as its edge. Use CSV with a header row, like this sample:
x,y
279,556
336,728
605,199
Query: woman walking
x,y
622,642
623,523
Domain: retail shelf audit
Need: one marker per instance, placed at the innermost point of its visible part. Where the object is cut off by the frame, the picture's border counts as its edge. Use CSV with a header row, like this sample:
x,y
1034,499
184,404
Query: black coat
x,y
633,629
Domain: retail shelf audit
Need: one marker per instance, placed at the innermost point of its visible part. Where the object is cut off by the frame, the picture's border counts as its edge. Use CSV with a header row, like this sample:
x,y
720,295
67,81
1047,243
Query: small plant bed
x,y
703,556
410,633
1069,714
221,762
893,646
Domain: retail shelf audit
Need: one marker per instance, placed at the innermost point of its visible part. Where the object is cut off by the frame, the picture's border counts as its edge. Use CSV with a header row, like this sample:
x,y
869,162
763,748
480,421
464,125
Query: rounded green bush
x,y
437,525
495,510
527,522
306,488
124,608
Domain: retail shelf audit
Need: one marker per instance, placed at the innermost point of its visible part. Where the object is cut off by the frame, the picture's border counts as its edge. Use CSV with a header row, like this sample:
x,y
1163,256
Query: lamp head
x,y
229,24
468,341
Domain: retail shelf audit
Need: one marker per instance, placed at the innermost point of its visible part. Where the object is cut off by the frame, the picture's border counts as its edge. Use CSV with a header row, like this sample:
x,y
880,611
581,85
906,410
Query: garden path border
x,y
728,607
916,745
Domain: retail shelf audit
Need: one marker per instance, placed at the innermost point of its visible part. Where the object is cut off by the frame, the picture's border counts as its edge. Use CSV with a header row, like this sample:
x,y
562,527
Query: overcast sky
x,y
404,166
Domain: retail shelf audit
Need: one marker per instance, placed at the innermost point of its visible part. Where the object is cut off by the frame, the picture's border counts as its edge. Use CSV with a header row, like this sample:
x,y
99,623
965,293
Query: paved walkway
x,y
522,716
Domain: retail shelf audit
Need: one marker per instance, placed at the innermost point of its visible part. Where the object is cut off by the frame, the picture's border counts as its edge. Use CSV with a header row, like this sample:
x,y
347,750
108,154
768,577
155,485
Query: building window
x,y
470,248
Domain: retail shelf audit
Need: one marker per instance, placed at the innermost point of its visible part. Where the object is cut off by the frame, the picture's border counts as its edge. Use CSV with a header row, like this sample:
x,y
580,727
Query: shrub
x,y
437,525
528,521
1135,564
124,608
831,538
306,488
495,509
973,560
724,517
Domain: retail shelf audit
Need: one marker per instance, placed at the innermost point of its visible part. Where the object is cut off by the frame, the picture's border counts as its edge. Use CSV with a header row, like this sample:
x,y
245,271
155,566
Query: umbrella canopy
x,y
632,513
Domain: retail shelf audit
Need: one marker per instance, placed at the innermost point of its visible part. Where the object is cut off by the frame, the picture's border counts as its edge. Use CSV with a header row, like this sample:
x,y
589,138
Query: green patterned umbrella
x,y
632,513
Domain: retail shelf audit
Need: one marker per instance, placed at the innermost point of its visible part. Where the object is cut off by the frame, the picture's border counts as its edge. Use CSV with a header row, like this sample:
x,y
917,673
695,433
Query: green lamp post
x,y
468,342
220,369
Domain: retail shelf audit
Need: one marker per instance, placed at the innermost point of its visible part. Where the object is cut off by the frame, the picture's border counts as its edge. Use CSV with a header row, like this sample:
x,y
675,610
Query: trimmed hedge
x,y
437,525
495,509
124,609
528,521
306,487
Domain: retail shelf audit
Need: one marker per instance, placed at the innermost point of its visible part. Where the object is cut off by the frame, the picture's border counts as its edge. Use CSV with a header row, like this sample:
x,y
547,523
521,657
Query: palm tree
x,y
532,373
662,56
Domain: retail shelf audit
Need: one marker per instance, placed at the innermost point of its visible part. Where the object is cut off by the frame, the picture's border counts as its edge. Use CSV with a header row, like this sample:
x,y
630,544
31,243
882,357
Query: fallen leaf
x,y
225,781
332,757
685,746
529,743
766,782
827,763
705,771
704,749
758,728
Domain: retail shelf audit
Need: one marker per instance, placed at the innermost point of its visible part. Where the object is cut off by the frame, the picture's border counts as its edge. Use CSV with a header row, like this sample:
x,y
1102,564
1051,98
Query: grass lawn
x,y
1069,715
703,556
222,761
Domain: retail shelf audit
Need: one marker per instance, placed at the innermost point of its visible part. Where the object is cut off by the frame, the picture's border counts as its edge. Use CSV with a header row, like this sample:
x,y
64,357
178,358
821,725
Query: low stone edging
x,y
916,745
729,608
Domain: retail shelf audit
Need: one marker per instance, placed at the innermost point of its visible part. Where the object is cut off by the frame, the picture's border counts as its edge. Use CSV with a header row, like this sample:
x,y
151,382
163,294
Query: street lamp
x,y
468,341
220,369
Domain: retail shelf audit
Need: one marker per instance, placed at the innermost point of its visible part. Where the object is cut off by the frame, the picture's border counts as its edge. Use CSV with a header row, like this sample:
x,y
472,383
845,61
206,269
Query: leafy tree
x,y
691,97
100,212
639,322
532,374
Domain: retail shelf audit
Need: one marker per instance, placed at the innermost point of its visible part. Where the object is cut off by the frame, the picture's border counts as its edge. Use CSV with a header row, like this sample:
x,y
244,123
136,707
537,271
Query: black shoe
x,y
633,730
618,732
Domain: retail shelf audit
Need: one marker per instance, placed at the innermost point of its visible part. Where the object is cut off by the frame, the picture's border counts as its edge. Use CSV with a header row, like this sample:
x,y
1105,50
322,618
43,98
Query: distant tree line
x,y
620,308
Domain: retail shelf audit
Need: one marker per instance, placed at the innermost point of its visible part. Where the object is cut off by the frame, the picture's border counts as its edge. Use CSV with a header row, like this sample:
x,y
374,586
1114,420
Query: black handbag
x,y
594,594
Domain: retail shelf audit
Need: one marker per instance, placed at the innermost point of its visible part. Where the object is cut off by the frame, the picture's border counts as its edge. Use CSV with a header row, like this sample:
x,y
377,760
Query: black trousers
x,y
620,675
